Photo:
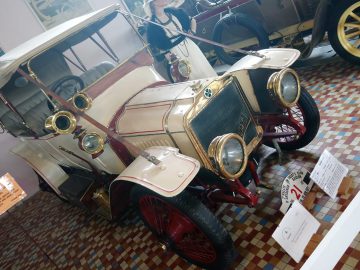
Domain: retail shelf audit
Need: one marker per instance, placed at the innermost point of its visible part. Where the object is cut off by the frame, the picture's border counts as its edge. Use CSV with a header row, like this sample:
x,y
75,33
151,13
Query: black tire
x,y
253,26
185,207
337,37
311,120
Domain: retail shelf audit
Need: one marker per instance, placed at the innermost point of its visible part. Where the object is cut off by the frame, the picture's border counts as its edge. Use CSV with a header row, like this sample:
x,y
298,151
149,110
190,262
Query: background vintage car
x,y
261,24
256,24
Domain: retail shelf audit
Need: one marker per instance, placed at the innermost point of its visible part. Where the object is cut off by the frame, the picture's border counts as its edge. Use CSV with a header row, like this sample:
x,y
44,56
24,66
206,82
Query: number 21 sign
x,y
295,187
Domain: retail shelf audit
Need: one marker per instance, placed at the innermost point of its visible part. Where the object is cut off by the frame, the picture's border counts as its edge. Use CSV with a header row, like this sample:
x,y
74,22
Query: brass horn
x,y
82,101
62,122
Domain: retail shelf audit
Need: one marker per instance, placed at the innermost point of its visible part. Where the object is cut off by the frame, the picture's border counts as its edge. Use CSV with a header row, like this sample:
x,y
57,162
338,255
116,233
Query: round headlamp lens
x,y
92,143
289,88
232,156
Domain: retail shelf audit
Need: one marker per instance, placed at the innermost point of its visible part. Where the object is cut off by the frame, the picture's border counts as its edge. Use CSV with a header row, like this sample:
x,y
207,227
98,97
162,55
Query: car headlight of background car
x,y
184,68
179,69
228,154
284,86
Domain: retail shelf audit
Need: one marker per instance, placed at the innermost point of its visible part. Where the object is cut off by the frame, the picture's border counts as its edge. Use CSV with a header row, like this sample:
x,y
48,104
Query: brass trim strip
x,y
166,126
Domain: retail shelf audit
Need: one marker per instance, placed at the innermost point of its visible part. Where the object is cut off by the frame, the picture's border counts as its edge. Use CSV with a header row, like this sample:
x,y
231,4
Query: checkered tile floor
x,y
69,238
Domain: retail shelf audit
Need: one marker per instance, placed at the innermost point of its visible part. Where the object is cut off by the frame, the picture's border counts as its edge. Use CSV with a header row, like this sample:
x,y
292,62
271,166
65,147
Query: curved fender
x,y
169,178
274,58
42,163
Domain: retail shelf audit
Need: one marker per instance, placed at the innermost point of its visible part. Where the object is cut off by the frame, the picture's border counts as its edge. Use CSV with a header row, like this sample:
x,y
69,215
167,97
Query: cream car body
x,y
106,132
147,112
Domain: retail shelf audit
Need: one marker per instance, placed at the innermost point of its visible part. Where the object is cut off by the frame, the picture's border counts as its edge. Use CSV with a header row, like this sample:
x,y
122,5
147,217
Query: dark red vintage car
x,y
255,24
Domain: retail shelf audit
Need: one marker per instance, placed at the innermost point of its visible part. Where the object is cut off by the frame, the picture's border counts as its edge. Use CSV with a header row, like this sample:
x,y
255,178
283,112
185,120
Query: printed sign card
x,y
328,173
10,193
295,230
295,187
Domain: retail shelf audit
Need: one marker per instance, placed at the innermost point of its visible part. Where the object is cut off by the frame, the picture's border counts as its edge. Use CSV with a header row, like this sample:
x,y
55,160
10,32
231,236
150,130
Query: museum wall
x,y
14,165
18,23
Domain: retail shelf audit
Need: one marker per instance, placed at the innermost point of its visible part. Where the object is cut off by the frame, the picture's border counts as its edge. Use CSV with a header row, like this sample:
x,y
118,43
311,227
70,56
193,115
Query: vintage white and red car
x,y
104,130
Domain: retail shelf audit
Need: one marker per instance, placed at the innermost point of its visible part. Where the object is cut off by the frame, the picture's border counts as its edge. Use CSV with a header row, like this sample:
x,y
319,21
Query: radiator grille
x,y
227,112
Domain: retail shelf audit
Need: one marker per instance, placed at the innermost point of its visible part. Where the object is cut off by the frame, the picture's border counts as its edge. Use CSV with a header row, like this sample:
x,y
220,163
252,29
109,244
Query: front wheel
x,y
304,115
184,224
344,29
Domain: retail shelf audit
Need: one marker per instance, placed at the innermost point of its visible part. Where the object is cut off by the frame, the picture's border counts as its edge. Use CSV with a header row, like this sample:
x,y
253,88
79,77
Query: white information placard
x,y
10,193
295,230
329,173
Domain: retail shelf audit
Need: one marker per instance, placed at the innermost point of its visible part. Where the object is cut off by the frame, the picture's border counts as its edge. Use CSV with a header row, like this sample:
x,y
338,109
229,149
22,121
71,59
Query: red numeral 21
x,y
296,190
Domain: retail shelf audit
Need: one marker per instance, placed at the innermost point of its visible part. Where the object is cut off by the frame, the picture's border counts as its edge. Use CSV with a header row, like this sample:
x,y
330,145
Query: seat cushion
x,y
92,75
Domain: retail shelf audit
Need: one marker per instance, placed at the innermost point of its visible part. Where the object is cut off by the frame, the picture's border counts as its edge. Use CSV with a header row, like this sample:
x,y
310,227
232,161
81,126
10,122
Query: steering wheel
x,y
68,86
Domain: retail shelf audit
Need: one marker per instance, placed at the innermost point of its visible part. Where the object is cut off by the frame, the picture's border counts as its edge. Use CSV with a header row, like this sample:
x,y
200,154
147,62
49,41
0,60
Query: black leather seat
x,y
92,75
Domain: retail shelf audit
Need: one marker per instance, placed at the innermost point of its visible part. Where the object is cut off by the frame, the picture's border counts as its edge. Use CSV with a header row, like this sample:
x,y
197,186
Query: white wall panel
x,y
17,23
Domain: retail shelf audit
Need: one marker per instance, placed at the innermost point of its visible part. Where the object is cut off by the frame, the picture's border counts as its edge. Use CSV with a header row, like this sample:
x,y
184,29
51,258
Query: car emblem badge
x,y
208,93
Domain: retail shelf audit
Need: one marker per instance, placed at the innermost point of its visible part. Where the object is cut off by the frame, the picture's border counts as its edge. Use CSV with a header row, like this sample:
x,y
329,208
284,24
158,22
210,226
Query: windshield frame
x,y
105,47
27,65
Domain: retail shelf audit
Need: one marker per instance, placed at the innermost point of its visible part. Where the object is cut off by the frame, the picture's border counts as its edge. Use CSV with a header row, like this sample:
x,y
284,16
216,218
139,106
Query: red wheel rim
x,y
296,124
176,230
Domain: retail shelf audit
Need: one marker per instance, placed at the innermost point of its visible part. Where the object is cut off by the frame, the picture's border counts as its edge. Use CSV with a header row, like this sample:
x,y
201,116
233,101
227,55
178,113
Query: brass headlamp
x,y
62,122
228,154
92,143
285,87
179,69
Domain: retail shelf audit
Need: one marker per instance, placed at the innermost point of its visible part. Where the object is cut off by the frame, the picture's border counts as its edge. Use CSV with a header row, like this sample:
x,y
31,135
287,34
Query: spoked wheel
x,y
303,125
344,29
183,224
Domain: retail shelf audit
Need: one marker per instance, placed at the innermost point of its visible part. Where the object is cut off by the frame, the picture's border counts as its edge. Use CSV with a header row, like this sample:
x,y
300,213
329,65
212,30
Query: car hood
x,y
157,110
168,92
